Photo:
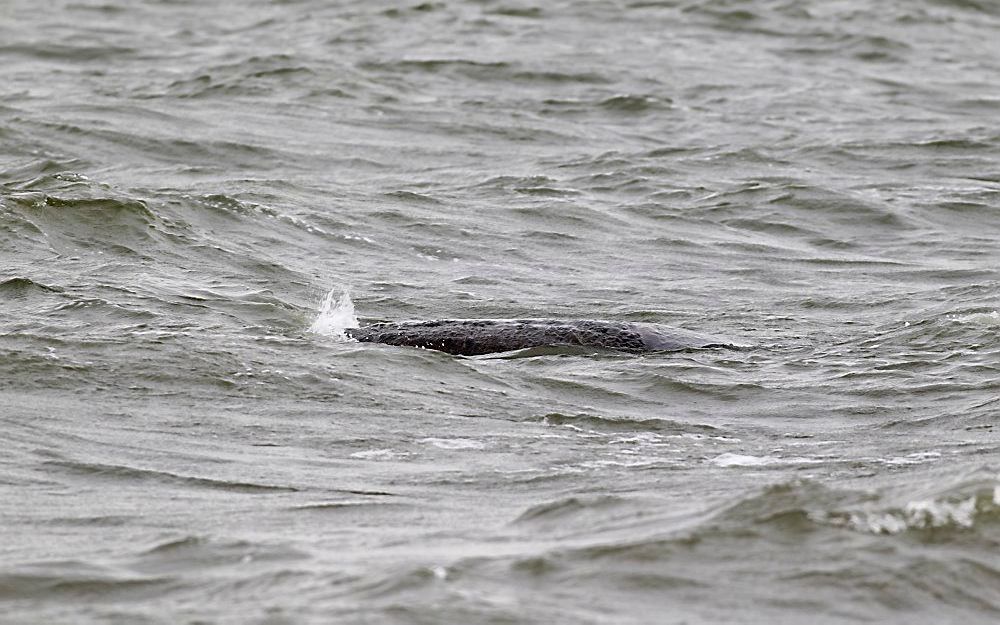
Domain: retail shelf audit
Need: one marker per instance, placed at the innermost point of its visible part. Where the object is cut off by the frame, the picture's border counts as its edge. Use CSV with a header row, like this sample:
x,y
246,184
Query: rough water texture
x,y
188,437
474,337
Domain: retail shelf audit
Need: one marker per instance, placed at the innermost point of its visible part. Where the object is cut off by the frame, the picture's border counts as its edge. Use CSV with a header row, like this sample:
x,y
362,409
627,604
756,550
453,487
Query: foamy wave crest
x,y
958,511
984,319
336,314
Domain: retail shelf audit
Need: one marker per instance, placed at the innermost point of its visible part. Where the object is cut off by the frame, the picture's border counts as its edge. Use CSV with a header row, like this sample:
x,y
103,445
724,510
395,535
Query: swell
x,y
598,423
126,474
487,71
848,553
103,586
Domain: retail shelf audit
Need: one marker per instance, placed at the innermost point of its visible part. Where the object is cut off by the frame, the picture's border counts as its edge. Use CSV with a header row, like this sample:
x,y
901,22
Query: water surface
x,y
183,183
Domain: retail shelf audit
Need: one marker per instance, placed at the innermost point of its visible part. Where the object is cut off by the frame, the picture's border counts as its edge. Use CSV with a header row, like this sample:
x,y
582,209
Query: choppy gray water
x,y
181,184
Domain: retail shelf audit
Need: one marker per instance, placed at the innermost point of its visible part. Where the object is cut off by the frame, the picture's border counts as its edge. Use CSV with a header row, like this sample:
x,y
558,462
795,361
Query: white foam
x,y
379,454
920,514
983,319
439,572
335,315
741,460
454,443
916,515
914,458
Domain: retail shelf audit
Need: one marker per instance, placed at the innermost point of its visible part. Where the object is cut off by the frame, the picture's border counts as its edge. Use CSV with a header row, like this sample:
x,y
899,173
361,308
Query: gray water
x,y
182,183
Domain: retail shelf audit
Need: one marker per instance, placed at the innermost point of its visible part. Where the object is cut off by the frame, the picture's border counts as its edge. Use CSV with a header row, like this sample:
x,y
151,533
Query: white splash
x,y
335,315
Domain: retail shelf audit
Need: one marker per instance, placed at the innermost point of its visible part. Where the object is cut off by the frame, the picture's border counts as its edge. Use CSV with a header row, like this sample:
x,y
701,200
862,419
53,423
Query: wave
x,y
88,582
598,423
256,76
795,539
936,513
74,53
19,287
125,474
187,552
487,71
962,510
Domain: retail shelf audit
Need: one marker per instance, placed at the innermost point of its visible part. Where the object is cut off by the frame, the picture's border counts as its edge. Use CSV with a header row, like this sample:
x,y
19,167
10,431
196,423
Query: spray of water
x,y
335,315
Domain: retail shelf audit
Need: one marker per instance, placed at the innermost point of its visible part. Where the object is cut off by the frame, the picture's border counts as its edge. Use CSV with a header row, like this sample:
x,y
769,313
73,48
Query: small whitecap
x,y
920,457
640,438
454,443
945,511
741,460
931,513
924,514
377,454
640,461
984,319
439,572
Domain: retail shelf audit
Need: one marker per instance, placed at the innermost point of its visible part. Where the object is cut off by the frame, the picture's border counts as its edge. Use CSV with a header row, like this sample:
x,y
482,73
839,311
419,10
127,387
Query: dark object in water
x,y
471,337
